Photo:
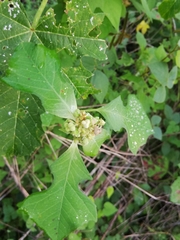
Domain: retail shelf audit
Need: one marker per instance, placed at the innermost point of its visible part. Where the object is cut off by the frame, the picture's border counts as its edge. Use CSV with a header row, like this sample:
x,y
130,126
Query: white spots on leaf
x,y
46,26
91,20
9,113
7,27
13,9
101,48
17,4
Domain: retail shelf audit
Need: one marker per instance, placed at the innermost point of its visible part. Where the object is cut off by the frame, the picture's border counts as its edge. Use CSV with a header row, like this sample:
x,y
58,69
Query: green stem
x,y
90,110
39,13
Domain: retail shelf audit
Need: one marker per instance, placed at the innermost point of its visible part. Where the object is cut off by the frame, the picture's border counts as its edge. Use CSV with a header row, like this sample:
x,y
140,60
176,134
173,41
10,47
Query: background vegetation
x,y
137,195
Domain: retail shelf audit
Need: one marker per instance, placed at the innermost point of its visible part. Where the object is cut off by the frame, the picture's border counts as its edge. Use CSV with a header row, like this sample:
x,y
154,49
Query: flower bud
x,y
71,126
86,123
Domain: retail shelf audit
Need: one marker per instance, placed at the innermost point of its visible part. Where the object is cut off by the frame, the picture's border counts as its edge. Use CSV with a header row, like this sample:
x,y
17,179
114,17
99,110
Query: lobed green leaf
x,y
36,69
20,124
16,29
63,207
132,118
168,8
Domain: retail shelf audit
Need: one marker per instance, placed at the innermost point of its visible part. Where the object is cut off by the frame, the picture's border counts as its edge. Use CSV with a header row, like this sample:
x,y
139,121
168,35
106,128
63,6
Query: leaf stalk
x,y
39,13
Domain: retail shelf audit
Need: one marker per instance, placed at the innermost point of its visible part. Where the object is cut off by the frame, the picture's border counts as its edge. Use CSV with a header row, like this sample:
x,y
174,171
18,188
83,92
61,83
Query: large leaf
x,y
16,28
36,69
168,8
132,118
63,207
20,124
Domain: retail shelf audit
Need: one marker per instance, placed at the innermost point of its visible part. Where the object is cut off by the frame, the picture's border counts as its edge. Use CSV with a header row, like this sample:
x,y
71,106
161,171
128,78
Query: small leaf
x,y
172,77
160,71
132,118
168,8
114,113
161,54
92,148
73,236
139,197
158,169
125,60
36,69
157,133
156,120
20,124
2,174
160,94
110,191
108,210
63,207
175,194
141,40
147,11
101,82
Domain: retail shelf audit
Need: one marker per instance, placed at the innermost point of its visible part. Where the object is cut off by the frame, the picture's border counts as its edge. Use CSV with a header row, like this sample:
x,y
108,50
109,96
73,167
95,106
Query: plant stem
x,y
39,13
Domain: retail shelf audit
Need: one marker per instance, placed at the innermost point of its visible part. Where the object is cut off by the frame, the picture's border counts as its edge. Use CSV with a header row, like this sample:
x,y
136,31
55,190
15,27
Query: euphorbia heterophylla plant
x,y
31,64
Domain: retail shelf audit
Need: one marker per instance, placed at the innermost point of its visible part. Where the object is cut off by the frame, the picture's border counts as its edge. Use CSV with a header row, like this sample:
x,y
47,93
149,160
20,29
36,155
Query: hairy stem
x,y
39,13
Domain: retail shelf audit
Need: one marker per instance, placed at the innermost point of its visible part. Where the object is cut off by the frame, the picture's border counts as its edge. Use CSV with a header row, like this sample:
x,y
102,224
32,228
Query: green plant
x,y
51,66
36,69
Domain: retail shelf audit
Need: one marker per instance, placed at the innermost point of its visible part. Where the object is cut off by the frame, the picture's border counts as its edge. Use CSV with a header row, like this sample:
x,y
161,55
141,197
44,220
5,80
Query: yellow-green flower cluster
x,y
84,128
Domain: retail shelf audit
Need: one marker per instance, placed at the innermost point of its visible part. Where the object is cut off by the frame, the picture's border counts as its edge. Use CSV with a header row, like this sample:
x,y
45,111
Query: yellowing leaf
x,y
109,191
143,27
